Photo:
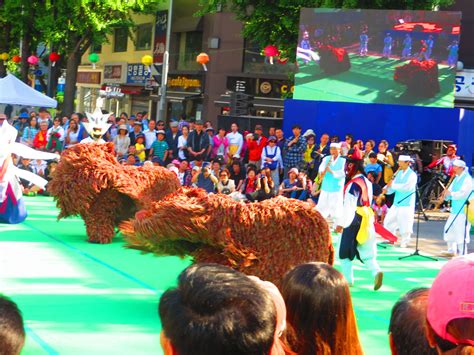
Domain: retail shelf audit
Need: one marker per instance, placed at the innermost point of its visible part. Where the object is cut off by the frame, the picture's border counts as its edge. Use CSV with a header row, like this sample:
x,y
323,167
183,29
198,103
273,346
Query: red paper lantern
x,y
16,59
53,57
32,60
271,51
203,59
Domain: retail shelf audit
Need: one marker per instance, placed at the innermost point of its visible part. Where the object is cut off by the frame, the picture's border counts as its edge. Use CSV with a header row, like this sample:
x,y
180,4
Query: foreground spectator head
x,y
407,324
320,315
12,332
216,310
450,316
296,130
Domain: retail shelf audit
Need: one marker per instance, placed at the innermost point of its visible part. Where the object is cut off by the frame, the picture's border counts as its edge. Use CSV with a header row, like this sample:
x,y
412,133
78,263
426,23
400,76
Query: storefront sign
x,y
137,74
260,87
89,77
114,73
187,83
159,47
465,85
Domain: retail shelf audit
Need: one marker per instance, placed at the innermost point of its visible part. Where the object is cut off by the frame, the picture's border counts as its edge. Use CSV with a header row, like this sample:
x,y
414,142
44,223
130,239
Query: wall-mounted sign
x,y
260,87
114,73
89,77
159,47
465,85
137,74
191,83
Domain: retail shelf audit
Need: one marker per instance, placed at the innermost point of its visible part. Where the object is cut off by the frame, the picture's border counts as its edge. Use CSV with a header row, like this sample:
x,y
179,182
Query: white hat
x,y
309,132
405,158
335,145
236,156
459,163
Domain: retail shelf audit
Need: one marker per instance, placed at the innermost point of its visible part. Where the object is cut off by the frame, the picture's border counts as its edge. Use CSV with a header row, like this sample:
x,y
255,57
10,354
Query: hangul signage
x,y
137,74
464,85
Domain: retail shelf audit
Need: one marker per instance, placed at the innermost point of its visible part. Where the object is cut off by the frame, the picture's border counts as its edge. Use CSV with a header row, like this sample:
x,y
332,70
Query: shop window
x,y
255,62
120,39
190,45
143,37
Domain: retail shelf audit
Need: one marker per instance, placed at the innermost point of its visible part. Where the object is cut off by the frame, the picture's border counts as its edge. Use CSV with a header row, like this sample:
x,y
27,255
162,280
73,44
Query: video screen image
x,y
378,56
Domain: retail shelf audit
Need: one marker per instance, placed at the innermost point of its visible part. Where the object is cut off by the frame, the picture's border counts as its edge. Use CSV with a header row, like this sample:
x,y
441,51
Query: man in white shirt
x,y
401,216
236,141
332,175
150,135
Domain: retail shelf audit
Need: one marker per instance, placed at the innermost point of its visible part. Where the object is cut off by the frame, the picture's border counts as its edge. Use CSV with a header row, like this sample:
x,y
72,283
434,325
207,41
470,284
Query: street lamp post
x,y
161,112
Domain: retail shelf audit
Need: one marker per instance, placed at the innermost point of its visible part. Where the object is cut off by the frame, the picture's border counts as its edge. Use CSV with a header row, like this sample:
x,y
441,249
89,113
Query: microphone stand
x,y
420,210
466,203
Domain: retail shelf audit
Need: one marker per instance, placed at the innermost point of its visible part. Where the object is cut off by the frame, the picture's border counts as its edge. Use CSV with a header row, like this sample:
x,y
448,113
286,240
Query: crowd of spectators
x,y
249,166
217,310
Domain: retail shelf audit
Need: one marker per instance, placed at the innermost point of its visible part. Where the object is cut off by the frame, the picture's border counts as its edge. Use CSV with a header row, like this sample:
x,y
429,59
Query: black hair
x,y
296,126
42,109
12,332
407,324
217,310
373,155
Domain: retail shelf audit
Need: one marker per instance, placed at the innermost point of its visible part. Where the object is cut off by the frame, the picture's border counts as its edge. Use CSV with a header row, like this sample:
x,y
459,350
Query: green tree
x,y
70,27
276,22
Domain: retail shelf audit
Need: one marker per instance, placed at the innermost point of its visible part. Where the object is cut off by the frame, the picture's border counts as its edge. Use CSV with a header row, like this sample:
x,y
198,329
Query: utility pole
x,y
161,111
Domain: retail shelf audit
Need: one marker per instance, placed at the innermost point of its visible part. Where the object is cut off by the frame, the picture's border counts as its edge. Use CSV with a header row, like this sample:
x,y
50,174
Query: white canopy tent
x,y
15,92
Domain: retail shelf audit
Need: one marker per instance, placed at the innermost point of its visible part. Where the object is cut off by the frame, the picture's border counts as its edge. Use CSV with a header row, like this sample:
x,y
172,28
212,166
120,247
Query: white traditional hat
x,y
335,145
405,158
459,163
309,132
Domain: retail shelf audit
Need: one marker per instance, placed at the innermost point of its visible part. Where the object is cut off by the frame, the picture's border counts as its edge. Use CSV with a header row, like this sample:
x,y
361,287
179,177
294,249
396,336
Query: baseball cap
x,y
272,138
161,132
23,115
452,296
174,124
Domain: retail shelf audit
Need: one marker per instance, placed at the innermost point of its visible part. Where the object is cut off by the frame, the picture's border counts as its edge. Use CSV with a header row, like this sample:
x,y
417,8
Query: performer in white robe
x,y
401,215
458,192
357,222
333,177
12,208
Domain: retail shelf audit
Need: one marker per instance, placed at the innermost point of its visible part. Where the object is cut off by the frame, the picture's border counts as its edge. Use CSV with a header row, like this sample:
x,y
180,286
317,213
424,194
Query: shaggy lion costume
x,y
90,182
265,239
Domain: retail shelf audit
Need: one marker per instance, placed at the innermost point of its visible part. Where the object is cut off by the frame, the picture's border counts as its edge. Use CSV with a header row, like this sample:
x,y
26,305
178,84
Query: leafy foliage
x,y
276,22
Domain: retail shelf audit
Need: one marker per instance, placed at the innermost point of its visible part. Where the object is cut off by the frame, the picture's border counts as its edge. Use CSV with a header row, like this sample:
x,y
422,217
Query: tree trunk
x,y
25,53
72,66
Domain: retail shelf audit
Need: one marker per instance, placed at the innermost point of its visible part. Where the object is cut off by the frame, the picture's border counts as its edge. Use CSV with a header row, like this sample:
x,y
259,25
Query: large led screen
x,y
378,56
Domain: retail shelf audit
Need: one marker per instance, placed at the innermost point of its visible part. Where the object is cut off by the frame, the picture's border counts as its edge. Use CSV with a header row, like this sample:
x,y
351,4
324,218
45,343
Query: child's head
x,y
380,200
372,176
373,158
12,332
140,139
161,135
132,150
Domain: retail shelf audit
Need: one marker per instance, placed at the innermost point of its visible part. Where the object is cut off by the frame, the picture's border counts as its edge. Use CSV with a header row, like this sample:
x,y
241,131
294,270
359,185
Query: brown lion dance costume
x,y
264,239
90,182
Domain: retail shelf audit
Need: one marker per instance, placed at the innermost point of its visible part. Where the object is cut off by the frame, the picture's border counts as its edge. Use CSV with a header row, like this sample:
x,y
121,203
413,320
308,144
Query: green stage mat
x,y
370,80
81,298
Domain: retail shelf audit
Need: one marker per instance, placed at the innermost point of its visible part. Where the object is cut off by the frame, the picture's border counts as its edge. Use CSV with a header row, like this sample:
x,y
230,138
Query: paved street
x,y
431,234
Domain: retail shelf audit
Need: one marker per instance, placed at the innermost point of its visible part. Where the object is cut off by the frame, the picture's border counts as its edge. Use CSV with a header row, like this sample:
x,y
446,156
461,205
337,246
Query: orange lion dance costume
x,y
264,239
90,182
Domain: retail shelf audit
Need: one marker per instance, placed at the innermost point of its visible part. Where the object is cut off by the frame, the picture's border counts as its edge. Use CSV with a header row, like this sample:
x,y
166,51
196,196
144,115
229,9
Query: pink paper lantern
x,y
32,60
